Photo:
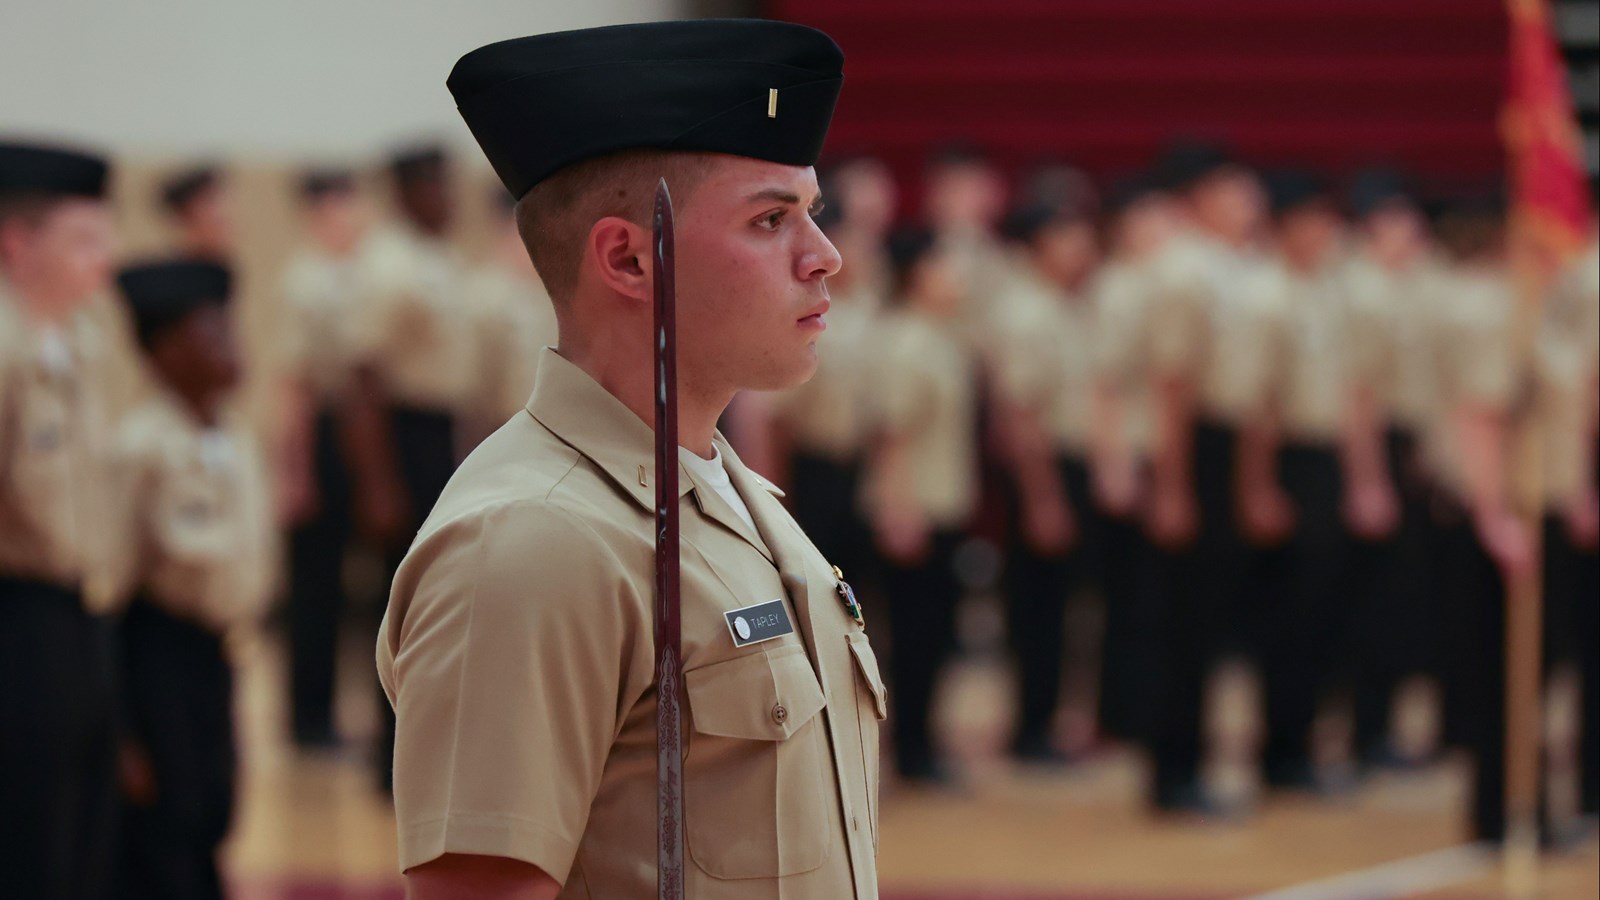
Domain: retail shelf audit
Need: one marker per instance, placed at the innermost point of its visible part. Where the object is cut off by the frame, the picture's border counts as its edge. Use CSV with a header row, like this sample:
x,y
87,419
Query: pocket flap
x,y
867,664
762,697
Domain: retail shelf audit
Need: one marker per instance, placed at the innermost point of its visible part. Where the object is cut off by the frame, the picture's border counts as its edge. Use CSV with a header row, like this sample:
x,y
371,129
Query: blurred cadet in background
x,y
1392,285
1568,404
1327,451
316,471
197,559
1213,499
921,485
964,198
513,318
199,201
1482,542
415,375
1141,221
57,736
1042,365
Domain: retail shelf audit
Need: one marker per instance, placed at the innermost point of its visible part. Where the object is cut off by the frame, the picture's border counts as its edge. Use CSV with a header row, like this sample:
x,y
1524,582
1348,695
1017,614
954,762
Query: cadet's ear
x,y
620,251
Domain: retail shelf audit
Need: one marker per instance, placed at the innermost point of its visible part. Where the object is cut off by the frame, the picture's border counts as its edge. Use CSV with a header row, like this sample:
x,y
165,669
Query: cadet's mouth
x,y
814,316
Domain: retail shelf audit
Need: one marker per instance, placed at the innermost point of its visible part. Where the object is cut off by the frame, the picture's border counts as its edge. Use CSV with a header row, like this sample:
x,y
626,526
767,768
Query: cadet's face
x,y
751,273
338,219
1396,233
1067,251
868,196
216,354
1232,202
965,196
1146,225
209,216
65,258
1310,235
430,202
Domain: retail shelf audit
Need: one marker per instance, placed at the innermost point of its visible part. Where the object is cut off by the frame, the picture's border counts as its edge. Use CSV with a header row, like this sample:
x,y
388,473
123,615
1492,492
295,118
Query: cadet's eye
x,y
771,220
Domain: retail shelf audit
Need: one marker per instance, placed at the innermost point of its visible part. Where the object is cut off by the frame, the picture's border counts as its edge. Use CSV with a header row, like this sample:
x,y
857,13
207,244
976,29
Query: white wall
x,y
259,79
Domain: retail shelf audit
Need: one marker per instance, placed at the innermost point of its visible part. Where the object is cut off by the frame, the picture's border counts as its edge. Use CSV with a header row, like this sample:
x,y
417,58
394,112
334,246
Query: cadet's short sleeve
x,y
904,395
1025,352
1481,353
512,648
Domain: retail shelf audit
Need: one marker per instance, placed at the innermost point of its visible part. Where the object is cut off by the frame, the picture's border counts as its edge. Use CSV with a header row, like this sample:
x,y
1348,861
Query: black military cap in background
x,y
30,168
746,87
1291,190
183,186
160,294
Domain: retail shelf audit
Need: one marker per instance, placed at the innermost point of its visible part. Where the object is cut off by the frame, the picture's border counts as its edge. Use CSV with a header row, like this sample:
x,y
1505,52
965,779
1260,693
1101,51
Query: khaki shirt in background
x,y
926,381
830,415
321,295
1474,359
986,267
55,436
1207,328
197,531
513,319
1044,358
1311,373
1391,320
1568,367
1122,295
412,324
517,650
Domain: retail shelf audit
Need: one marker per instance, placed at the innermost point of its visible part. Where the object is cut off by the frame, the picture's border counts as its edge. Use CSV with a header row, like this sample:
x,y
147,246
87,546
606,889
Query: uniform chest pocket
x,y
756,784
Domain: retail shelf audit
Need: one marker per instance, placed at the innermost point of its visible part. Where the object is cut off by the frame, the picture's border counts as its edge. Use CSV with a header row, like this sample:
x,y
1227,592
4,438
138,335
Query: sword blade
x,y
668,631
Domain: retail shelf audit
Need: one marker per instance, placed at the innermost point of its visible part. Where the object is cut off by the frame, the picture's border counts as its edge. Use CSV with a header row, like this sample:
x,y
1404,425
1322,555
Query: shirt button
x,y
780,714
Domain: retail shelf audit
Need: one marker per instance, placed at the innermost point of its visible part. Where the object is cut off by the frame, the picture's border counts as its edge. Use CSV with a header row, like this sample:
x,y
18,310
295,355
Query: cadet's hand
x,y
1116,486
1267,515
1371,509
1174,518
383,513
902,534
1506,539
1583,520
135,775
1048,524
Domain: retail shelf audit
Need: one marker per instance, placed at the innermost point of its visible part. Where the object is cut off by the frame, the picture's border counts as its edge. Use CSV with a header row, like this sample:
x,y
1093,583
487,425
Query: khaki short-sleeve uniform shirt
x,y
1208,328
321,294
512,319
412,324
1568,367
55,437
1122,297
517,651
927,397
1474,360
1391,316
1311,373
830,415
198,529
1044,358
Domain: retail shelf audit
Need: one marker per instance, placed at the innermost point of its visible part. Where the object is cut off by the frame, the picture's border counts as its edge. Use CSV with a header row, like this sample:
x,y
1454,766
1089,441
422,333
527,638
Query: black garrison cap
x,y
27,168
181,187
1186,161
746,87
160,294
1294,189
1374,189
418,162
322,182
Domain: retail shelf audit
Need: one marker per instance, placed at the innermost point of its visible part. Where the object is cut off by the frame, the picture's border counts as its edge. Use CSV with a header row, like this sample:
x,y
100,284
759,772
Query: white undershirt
x,y
715,475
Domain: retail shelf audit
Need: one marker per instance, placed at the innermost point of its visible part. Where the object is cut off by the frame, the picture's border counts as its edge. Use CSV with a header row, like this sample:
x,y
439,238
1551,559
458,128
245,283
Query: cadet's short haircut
x,y
555,216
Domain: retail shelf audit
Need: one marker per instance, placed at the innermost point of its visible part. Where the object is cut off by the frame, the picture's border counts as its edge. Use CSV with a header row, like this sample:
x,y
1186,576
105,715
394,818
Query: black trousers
x,y
1130,658
425,445
1038,586
922,607
1310,623
823,496
1572,597
58,750
317,602
1393,589
1200,590
178,697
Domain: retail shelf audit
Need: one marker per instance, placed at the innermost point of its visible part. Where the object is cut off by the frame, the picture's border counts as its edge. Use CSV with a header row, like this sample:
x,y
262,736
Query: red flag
x,y
1549,190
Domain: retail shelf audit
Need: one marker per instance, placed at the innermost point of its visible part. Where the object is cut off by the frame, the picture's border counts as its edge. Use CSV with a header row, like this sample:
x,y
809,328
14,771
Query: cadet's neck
x,y
625,379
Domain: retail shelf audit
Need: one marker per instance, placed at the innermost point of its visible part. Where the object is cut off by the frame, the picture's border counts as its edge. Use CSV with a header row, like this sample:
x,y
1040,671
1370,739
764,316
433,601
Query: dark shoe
x,y
1039,752
1293,775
